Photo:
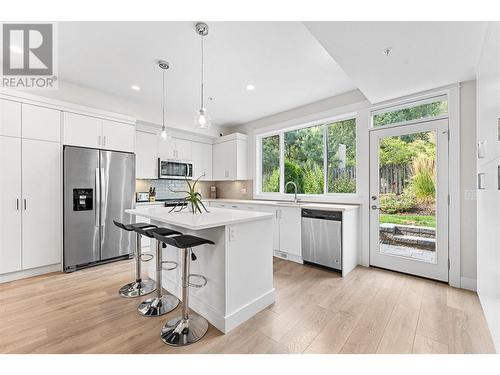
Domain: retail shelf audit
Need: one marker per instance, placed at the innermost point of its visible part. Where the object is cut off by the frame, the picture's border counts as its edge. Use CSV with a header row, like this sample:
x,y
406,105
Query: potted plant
x,y
192,199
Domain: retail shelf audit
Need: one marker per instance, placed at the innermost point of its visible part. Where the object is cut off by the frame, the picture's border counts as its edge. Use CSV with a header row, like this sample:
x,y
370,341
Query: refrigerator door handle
x,y
102,200
97,198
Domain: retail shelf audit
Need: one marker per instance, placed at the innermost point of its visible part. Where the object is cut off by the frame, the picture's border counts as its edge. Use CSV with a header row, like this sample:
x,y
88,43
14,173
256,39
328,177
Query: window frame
x,y
281,133
409,103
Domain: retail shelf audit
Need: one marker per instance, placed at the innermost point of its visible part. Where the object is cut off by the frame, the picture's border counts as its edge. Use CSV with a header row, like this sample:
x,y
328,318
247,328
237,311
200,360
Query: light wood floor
x,y
370,311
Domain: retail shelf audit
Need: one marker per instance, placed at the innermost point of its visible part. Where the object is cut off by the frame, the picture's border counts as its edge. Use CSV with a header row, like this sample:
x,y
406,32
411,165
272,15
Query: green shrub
x,y
313,179
294,173
422,182
271,183
397,203
343,184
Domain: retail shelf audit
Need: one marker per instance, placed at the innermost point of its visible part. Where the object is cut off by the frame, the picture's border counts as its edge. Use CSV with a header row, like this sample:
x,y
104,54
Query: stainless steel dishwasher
x,y
322,238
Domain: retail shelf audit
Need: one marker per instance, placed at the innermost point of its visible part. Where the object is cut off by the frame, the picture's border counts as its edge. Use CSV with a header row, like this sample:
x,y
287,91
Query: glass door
x,y
409,199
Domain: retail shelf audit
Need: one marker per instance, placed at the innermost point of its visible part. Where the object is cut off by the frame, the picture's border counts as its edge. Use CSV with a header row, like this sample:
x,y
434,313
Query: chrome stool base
x,y
158,306
181,332
136,289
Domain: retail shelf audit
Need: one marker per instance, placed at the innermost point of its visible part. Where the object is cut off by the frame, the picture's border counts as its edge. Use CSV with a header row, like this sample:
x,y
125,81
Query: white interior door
x,y
409,199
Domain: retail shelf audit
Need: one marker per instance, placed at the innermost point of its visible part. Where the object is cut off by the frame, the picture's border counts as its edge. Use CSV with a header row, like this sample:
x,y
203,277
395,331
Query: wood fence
x,y
393,178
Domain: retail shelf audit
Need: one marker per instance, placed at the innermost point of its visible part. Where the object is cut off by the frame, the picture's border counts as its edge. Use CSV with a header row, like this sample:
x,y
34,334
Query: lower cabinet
x,y
287,241
30,199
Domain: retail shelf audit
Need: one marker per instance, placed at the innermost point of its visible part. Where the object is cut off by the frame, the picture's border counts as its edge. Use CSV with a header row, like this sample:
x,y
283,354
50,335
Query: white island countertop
x,y
301,204
216,217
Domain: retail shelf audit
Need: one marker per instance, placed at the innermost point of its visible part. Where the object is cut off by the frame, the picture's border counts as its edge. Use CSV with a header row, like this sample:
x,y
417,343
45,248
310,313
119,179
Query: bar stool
x,y
162,303
189,327
139,287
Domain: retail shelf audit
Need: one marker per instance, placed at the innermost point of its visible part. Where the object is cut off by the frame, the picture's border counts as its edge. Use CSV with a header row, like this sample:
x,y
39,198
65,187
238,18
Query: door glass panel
x,y
407,196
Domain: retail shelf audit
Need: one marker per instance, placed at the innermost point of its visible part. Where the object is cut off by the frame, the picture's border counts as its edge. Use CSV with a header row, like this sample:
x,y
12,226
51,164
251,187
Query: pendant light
x,y
163,66
202,119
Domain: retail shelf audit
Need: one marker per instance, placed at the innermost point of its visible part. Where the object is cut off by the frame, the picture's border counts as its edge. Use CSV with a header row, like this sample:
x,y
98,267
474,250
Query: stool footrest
x,y
146,257
175,265
196,285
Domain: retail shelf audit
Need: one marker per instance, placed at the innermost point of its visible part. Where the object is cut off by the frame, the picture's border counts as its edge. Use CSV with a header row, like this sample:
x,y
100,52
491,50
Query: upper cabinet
x,y
146,159
10,118
174,149
93,132
202,161
29,121
41,123
80,130
118,136
230,158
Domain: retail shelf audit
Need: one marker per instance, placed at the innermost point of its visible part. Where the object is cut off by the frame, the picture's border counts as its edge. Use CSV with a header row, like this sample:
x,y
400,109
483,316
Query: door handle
x,y
24,204
375,207
17,204
97,203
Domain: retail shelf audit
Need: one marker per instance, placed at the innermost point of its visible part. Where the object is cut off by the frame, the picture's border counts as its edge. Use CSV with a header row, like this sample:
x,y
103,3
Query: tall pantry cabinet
x,y
30,186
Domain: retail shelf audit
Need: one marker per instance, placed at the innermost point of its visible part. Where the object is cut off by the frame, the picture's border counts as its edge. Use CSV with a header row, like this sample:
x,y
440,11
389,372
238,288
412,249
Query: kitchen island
x,y
239,267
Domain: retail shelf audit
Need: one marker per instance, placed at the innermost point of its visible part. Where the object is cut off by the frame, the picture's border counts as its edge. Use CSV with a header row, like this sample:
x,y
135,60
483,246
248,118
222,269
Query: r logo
x,y
27,50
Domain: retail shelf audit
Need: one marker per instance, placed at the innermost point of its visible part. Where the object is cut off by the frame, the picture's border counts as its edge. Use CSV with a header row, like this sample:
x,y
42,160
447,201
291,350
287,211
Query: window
x,y
414,111
271,164
320,159
304,160
341,156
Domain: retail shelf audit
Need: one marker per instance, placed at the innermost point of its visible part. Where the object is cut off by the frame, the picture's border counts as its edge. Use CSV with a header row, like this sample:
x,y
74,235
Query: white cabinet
x,y
30,199
290,227
41,187
29,121
41,123
93,132
287,223
10,204
146,158
230,158
117,136
174,149
10,118
80,130
202,160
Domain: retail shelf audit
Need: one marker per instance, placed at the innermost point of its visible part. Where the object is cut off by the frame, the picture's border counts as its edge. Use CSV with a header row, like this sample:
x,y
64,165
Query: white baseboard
x,y
246,312
29,273
468,283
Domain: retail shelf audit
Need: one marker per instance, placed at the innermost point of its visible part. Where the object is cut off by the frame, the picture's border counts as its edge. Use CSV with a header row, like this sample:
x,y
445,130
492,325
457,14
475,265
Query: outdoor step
x,y
415,240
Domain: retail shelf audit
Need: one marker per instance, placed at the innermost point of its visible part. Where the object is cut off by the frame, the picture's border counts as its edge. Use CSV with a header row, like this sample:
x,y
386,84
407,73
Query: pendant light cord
x,y
163,114
202,84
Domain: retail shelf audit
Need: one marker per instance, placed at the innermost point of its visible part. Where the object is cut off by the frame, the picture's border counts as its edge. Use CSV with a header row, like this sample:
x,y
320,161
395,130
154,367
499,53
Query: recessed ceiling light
x,y
135,87
16,49
250,87
387,51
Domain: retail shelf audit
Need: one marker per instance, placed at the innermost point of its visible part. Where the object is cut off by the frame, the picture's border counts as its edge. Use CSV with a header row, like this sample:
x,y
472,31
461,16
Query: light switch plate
x,y
481,181
481,149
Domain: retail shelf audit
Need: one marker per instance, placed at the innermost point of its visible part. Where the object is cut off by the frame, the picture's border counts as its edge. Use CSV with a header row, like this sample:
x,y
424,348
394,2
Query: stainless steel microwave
x,y
174,169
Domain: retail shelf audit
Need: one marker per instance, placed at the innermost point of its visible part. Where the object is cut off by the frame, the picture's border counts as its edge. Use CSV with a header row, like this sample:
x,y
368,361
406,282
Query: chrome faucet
x,y
295,200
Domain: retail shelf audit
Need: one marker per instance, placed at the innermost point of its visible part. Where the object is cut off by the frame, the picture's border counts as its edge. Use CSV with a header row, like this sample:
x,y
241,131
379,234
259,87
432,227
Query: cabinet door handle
x,y
17,204
99,140
24,204
104,143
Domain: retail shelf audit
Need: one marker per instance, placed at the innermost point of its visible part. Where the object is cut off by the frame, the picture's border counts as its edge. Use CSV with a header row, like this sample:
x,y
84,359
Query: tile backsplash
x,y
166,189
169,189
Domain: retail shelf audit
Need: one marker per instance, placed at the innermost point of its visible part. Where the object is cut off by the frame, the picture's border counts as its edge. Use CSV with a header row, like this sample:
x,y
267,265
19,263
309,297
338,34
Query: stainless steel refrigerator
x,y
99,186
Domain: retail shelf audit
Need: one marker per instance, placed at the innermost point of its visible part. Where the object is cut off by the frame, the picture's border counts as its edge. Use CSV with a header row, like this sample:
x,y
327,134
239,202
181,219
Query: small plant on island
x,y
192,199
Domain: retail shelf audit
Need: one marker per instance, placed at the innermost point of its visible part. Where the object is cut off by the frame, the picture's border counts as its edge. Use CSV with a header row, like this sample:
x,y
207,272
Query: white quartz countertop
x,y
217,217
310,205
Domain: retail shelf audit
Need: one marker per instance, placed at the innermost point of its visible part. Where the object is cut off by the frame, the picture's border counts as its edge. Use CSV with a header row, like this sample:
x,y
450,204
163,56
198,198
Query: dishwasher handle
x,y
322,214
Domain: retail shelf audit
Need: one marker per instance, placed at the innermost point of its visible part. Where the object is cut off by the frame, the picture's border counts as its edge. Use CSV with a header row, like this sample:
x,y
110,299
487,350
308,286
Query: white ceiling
x,y
283,60
425,55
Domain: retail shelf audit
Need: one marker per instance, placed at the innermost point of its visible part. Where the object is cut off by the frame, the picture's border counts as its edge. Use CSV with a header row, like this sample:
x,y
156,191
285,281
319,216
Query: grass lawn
x,y
419,220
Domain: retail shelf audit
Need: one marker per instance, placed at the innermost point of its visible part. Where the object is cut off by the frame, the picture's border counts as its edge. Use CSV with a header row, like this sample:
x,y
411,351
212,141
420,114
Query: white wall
x,y
488,200
142,111
468,183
